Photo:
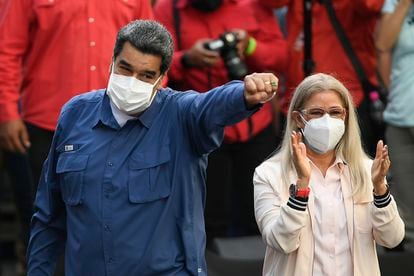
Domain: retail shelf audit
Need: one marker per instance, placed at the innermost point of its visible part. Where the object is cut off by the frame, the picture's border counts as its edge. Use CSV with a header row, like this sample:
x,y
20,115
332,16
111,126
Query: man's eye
x,y
125,69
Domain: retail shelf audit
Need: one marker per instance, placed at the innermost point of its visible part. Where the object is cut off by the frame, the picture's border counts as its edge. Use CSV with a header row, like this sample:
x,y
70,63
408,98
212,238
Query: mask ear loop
x,y
154,92
111,71
302,130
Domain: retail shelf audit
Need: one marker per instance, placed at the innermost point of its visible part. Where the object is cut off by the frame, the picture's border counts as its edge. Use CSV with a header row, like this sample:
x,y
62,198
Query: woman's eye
x,y
317,113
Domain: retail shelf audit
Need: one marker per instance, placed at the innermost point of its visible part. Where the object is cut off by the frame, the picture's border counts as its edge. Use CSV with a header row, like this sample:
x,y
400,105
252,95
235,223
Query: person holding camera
x,y
215,42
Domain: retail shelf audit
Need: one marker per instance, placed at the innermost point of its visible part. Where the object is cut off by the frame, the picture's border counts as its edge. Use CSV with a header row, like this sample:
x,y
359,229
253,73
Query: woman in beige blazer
x,y
321,203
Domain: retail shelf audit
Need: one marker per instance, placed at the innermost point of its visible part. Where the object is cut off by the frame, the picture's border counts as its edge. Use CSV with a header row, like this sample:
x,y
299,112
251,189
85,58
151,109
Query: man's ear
x,y
111,64
297,118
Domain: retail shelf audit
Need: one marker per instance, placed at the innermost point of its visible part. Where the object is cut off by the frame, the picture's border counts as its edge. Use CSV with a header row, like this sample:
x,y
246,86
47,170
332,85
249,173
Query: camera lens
x,y
227,46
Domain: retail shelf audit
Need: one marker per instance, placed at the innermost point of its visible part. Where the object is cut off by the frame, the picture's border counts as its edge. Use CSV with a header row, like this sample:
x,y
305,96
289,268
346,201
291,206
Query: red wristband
x,y
304,193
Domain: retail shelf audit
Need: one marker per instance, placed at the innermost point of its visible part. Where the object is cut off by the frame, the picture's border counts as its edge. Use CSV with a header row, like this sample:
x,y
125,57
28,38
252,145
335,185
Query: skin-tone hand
x,y
243,38
199,56
300,160
14,136
259,88
380,168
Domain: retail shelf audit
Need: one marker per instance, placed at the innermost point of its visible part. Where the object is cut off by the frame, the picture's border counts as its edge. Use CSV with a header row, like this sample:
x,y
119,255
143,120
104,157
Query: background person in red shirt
x,y
261,47
358,19
50,51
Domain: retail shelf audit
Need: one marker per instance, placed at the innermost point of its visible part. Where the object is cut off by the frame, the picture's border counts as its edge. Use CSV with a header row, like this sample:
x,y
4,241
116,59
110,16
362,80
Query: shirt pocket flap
x,y
71,162
149,159
71,168
149,176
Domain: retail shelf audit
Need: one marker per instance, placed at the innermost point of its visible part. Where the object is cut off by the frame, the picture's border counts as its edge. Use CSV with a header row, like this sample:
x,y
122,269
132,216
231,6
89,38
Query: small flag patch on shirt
x,y
68,147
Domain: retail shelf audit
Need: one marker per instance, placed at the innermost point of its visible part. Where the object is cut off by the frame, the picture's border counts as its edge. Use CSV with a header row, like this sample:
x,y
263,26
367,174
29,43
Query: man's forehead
x,y
132,57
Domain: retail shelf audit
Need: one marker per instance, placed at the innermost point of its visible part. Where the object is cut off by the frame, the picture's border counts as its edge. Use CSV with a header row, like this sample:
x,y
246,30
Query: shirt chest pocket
x,y
71,173
149,177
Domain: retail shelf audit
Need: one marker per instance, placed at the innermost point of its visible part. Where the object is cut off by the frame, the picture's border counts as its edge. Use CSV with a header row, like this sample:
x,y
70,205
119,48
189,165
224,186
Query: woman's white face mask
x,y
323,134
129,94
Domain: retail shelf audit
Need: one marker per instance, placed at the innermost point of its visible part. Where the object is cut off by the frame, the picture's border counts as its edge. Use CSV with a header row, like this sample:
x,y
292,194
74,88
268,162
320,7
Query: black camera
x,y
226,45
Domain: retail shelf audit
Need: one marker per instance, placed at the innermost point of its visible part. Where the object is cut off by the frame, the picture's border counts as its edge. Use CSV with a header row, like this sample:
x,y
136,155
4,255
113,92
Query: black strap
x,y
308,63
366,84
177,23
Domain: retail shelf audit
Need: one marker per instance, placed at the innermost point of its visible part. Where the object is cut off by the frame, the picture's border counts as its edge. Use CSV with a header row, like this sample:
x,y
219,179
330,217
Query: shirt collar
x,y
121,117
105,115
148,116
110,116
339,162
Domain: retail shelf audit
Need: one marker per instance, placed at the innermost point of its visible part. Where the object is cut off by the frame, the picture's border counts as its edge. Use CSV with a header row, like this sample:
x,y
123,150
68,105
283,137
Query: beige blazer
x,y
288,232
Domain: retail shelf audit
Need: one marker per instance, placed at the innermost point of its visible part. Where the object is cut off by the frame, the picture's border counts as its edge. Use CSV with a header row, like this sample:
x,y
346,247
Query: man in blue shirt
x,y
122,189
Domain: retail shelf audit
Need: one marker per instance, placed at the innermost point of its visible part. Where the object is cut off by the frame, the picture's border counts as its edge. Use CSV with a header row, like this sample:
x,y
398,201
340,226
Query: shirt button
x,y
92,43
107,229
93,68
91,19
110,260
110,164
331,255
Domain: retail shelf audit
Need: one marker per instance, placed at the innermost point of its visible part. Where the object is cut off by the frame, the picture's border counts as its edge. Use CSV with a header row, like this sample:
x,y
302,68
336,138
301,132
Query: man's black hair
x,y
149,37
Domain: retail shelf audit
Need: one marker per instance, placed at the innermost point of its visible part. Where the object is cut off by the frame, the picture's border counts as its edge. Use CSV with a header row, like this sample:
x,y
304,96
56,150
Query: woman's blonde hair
x,y
349,147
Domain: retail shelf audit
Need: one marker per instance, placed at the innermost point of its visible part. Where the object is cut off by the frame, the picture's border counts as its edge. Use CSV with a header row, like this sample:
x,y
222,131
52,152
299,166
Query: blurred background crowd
x,y
52,50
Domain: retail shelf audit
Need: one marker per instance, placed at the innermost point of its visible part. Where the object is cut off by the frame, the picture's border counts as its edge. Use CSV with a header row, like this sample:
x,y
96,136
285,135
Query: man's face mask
x,y
129,94
323,134
206,5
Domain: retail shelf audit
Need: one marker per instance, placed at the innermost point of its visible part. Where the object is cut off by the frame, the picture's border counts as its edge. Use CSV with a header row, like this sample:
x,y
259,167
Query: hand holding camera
x,y
200,56
243,41
228,47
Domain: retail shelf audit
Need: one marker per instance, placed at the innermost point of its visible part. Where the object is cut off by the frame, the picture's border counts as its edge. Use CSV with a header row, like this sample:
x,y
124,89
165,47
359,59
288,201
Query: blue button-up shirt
x,y
129,200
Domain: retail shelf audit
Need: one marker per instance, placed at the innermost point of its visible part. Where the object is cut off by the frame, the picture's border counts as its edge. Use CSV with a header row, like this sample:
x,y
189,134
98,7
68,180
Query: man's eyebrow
x,y
126,64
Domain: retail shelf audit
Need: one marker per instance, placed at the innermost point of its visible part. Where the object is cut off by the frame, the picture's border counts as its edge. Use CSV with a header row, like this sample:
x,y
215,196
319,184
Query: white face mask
x,y
129,94
323,134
